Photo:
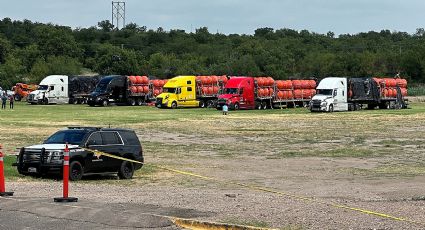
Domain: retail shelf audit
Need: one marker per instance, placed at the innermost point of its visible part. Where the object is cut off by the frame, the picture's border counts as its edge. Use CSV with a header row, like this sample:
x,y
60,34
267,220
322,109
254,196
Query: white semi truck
x,y
63,89
349,94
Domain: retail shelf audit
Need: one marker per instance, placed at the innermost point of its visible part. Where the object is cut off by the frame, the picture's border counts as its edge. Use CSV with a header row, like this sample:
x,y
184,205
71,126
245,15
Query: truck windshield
x,y
43,87
102,86
169,90
74,137
231,91
326,92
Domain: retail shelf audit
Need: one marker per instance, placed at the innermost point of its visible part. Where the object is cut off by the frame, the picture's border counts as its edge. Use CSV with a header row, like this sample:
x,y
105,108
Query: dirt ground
x,y
363,160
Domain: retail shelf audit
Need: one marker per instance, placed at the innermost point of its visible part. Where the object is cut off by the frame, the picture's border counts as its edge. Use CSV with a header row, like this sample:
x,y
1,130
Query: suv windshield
x,y
326,92
42,87
74,137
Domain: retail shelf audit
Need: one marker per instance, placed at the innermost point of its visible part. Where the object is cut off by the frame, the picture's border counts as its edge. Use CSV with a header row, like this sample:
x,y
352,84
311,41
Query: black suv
x,y
48,157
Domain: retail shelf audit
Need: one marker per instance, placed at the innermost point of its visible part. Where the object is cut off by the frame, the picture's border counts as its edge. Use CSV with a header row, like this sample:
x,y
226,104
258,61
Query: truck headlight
x,y
324,103
56,155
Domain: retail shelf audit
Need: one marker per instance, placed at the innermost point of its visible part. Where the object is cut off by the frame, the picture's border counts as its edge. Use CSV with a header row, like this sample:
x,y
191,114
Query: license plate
x,y
32,170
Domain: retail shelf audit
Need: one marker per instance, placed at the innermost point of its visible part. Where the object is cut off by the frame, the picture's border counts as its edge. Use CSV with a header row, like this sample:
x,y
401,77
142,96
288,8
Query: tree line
x,y
30,50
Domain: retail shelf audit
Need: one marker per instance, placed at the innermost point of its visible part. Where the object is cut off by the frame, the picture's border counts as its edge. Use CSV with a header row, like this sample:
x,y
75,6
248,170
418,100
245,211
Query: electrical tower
x,y
118,14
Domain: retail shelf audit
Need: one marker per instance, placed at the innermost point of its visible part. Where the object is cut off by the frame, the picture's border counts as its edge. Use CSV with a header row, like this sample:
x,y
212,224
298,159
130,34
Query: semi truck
x,y
349,94
191,91
122,90
63,89
22,90
265,93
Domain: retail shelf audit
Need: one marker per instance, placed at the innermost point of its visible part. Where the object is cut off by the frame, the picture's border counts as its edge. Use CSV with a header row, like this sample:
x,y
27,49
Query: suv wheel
x,y
126,170
76,171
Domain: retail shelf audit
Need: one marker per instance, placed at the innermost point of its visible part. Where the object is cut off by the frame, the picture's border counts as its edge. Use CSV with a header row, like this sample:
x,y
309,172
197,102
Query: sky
x,y
230,16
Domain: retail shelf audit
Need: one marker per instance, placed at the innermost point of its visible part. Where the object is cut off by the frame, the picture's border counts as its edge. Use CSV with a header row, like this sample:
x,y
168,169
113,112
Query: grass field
x,y
169,136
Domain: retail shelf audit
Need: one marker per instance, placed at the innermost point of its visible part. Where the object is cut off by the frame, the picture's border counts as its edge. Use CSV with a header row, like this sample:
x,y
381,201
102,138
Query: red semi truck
x,y
265,92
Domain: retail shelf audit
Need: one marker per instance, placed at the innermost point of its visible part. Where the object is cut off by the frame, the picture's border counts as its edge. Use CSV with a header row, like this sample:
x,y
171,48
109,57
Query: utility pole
x,y
118,14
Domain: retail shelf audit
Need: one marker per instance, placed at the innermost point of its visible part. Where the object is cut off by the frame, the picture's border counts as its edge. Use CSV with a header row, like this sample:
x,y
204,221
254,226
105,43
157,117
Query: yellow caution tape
x,y
264,189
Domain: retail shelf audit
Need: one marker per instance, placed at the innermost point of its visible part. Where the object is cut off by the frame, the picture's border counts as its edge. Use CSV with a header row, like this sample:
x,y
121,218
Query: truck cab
x,y
110,89
238,94
179,91
52,89
331,95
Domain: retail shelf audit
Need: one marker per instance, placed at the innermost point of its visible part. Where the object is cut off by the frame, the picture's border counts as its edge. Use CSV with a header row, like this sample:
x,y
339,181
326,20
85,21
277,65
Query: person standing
x,y
11,100
225,109
3,101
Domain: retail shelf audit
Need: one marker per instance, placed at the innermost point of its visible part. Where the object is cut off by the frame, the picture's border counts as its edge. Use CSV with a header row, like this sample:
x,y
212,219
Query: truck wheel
x,y
174,105
17,97
105,103
237,106
46,101
258,106
139,102
264,105
126,170
131,102
76,171
202,104
331,108
210,104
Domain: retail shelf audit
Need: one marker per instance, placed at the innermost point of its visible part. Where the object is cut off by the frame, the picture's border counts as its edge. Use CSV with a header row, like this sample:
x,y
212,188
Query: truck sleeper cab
x,y
48,157
239,93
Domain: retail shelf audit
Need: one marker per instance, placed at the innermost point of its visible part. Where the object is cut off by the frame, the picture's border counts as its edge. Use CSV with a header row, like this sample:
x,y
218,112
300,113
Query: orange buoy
x,y
214,79
298,94
133,89
271,91
312,84
305,84
280,94
266,92
132,79
140,89
402,83
145,80
296,84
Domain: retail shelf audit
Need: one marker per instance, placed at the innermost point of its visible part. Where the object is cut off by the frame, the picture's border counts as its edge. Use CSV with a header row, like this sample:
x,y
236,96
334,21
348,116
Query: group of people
x,y
4,98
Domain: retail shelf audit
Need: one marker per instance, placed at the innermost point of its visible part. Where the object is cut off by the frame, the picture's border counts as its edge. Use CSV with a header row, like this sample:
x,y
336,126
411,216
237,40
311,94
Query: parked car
x,y
48,157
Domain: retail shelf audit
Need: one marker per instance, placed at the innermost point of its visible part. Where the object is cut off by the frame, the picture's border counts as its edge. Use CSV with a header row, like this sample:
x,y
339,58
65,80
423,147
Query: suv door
x,y
113,144
94,163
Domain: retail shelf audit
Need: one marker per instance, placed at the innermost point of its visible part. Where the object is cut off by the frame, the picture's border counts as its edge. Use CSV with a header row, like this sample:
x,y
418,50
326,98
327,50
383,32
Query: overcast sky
x,y
231,16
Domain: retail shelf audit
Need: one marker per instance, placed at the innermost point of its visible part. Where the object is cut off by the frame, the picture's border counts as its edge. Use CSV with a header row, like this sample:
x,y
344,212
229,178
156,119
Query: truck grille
x,y
316,103
33,156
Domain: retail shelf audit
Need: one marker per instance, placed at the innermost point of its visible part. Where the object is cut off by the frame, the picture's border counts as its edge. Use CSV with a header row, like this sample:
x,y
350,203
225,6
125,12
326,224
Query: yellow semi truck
x,y
190,91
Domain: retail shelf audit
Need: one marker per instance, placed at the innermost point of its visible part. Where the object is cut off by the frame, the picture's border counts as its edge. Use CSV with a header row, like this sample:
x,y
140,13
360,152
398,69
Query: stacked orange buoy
x,y
265,86
139,84
210,85
295,89
157,86
388,86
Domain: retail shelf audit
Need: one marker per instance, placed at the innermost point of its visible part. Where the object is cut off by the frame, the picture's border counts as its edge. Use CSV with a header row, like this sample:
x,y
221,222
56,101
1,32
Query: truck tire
x,y
258,106
331,108
237,106
126,170
17,97
139,102
202,104
45,101
174,105
264,105
76,171
131,102
105,103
